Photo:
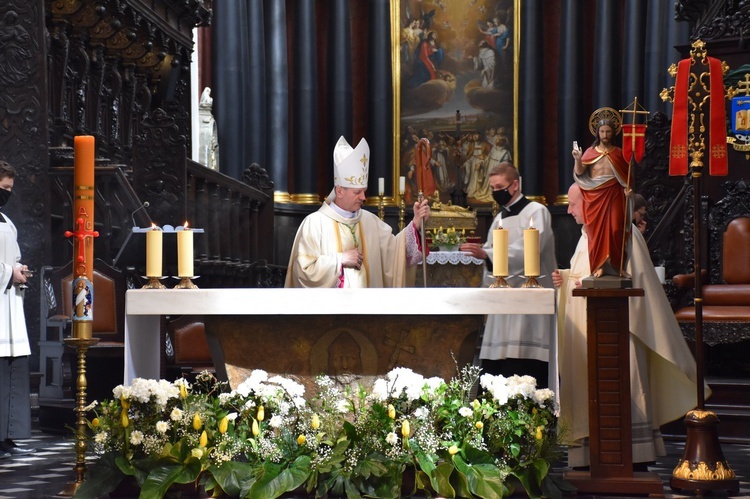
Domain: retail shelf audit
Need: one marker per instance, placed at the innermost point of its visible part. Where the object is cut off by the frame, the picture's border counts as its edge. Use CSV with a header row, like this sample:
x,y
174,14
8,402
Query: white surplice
x,y
662,368
14,341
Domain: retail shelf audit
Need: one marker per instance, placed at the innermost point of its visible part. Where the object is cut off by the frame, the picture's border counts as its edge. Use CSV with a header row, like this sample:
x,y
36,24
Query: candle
x,y
381,186
83,233
185,252
83,202
500,252
531,251
401,185
153,252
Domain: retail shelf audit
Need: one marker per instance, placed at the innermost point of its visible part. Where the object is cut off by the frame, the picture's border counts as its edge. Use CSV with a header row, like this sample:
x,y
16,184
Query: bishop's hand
x,y
421,212
352,259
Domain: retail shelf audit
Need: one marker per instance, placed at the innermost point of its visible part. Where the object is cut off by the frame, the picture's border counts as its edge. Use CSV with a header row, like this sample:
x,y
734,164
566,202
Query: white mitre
x,y
350,166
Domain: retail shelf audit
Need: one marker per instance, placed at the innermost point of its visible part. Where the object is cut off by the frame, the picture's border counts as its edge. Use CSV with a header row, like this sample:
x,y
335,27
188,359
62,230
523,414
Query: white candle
x,y
531,251
401,185
185,252
154,239
381,186
500,252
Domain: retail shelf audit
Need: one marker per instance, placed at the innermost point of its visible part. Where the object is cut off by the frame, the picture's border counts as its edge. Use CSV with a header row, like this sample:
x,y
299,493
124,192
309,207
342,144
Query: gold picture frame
x,y
455,69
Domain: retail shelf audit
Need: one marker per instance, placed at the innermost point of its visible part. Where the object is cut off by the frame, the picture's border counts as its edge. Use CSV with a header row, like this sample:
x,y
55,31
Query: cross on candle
x,y
81,234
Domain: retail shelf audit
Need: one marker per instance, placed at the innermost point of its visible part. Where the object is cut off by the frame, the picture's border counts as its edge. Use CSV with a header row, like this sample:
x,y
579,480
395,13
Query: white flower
x,y
421,412
342,406
136,437
91,406
232,416
162,426
391,438
252,383
275,421
543,395
101,438
176,414
465,411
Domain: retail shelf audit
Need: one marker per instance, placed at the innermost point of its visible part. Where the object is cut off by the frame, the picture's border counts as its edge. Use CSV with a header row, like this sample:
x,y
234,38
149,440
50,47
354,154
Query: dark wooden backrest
x,y
729,235
736,252
109,299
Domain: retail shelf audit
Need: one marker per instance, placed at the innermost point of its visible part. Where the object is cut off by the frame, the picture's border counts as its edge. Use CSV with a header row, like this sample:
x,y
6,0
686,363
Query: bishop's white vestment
x,y
317,261
662,368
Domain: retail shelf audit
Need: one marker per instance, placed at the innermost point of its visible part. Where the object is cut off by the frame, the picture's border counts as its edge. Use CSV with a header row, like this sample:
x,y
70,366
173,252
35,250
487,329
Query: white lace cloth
x,y
453,257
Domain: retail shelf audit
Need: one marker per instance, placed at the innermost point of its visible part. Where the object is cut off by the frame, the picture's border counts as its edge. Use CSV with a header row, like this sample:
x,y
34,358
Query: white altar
x,y
144,308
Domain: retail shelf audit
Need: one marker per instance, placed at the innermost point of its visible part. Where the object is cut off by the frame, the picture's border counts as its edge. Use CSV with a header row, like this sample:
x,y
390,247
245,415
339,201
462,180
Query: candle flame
x,y
531,223
154,226
185,226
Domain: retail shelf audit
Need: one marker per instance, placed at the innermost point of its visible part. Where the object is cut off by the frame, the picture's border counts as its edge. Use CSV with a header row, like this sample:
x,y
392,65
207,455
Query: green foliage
x,y
405,435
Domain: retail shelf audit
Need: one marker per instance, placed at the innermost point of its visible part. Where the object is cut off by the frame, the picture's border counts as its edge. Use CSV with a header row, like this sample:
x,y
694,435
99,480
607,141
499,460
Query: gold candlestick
x,y
153,283
531,282
401,213
186,283
500,282
381,207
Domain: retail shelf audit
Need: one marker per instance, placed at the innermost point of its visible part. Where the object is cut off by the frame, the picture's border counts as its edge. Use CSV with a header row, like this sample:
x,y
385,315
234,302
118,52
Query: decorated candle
x,y
153,252
83,203
381,186
185,252
401,185
500,252
531,251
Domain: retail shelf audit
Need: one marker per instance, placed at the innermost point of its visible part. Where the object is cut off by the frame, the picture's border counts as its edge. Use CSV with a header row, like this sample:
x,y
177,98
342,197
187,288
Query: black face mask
x,y
502,197
4,197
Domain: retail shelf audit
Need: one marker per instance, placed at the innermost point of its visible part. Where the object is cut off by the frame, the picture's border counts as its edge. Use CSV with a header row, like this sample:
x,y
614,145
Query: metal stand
x,y
153,283
381,207
500,282
186,283
81,345
401,213
531,282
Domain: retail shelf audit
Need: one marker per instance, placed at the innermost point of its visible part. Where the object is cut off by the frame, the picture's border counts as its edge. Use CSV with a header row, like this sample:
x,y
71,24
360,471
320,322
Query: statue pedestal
x,y
610,438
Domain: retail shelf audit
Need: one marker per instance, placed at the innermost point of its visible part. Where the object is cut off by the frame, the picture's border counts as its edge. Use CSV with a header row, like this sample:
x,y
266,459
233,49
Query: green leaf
x,y
232,476
275,480
441,480
103,477
484,480
162,477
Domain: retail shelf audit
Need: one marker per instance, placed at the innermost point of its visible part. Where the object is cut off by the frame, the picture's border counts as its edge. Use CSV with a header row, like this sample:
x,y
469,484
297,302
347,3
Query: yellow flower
x,y
196,453
391,411
203,441
197,423
405,430
125,403
301,440
315,422
95,422
183,392
539,434
223,425
256,428
124,419
476,404
261,413
479,425
453,450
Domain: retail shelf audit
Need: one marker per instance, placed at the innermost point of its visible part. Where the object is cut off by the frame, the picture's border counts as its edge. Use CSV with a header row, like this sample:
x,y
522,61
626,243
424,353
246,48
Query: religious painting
x,y
454,85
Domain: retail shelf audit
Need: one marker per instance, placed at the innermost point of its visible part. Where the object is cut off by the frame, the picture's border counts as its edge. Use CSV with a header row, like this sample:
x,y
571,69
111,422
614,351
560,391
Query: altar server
x,y
343,246
517,344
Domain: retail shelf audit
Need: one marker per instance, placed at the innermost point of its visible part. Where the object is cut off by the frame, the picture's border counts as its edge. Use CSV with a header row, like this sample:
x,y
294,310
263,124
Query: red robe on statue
x,y
604,208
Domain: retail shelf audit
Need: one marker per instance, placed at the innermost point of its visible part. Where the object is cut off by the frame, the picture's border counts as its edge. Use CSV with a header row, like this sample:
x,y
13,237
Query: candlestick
x,y
185,252
381,186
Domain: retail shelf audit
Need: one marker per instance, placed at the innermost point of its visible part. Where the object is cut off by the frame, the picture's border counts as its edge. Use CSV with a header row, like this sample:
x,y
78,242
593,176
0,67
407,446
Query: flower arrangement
x,y
407,434
448,237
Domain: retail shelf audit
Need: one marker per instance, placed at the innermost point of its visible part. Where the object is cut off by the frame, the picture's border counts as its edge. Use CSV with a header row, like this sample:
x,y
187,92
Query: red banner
x,y
633,142
717,142
678,147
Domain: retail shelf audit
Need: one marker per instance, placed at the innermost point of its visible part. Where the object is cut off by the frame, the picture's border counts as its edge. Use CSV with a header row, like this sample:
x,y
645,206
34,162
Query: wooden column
x,y
610,429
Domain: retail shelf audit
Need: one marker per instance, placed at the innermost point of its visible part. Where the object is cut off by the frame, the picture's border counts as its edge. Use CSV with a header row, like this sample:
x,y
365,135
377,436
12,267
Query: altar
x,y
452,269
356,333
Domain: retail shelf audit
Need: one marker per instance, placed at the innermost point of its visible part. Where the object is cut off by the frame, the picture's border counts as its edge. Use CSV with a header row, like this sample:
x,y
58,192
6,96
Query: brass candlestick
x,y
381,207
81,345
186,283
500,282
531,282
401,213
153,283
